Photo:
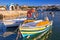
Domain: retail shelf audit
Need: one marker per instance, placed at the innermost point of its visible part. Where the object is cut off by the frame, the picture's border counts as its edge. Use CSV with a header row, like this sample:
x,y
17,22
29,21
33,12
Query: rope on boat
x,y
19,33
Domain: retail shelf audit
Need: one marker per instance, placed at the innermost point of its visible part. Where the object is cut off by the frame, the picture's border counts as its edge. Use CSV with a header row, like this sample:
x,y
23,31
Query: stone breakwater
x,y
13,14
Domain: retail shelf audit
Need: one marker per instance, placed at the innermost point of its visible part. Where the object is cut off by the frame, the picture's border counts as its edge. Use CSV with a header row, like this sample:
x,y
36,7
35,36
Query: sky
x,y
30,2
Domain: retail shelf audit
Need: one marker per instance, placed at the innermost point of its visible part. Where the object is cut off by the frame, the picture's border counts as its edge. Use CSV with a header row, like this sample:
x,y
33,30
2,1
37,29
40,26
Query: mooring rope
x,y
18,32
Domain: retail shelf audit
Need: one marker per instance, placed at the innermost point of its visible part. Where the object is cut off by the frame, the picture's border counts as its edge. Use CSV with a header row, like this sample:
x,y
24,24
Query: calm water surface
x,y
56,27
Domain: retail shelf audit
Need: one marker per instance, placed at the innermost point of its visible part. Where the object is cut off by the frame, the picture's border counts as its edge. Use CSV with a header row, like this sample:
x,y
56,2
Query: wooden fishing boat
x,y
12,18
13,22
34,27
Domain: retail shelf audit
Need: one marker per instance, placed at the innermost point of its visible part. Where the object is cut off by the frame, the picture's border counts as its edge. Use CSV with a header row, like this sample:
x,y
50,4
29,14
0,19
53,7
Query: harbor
x,y
29,20
51,36
12,32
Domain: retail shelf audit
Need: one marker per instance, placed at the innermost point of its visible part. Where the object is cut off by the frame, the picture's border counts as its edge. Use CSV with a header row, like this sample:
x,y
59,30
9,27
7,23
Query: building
x,y
14,7
2,8
24,7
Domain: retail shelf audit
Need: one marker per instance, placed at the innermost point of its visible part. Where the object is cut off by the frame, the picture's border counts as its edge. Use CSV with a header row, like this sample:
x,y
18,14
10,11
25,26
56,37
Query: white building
x,y
12,7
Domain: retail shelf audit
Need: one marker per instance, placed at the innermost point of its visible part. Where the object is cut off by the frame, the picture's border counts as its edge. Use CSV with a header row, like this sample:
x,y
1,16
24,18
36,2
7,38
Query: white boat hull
x,y
14,22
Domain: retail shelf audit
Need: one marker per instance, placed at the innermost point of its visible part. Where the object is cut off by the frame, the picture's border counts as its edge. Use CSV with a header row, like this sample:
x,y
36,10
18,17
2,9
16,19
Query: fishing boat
x,y
30,28
12,18
13,22
10,21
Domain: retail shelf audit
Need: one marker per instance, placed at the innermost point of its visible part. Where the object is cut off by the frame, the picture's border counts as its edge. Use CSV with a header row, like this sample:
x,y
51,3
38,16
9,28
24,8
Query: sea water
x,y
55,28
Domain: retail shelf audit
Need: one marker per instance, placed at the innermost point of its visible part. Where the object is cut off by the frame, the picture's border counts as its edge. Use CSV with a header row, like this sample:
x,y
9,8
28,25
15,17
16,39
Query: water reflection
x,y
56,27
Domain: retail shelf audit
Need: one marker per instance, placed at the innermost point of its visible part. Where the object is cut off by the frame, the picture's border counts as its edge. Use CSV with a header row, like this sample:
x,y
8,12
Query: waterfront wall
x,y
13,14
